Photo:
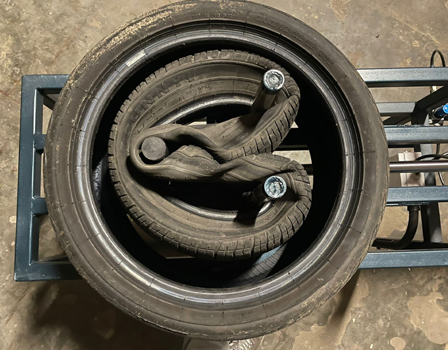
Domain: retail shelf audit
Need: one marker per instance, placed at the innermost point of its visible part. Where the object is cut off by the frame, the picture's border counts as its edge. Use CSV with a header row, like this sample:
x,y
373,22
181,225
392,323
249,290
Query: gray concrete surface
x,y
384,309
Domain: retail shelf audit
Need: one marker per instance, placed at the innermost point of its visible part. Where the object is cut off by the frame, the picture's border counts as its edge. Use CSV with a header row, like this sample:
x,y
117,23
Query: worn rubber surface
x,y
236,313
243,154
209,75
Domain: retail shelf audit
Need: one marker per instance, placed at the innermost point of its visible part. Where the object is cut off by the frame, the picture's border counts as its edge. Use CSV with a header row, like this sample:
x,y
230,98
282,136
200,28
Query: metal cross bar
x,y
418,167
404,77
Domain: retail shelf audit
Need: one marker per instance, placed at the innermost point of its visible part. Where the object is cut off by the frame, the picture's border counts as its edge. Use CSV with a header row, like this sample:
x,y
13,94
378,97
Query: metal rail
x,y
418,167
405,167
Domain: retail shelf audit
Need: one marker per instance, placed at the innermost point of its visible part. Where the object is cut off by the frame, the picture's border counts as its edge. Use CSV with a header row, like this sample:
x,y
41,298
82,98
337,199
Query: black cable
x,y
433,56
434,156
431,64
408,235
439,173
441,178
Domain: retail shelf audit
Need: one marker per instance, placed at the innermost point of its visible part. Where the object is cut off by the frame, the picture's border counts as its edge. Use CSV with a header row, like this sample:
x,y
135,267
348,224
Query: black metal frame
x,y
40,90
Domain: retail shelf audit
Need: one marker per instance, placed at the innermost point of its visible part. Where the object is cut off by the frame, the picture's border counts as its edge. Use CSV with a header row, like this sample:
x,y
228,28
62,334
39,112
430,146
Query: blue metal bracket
x,y
30,205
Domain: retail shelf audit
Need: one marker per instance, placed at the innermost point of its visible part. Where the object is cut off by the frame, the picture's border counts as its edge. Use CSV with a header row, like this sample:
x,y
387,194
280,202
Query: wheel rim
x,y
286,57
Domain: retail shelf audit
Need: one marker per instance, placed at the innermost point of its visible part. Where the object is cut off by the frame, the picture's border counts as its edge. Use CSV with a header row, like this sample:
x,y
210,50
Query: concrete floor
x,y
384,309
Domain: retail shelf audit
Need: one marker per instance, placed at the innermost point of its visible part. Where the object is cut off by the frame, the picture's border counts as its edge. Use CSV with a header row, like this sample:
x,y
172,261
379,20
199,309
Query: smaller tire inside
x,y
213,221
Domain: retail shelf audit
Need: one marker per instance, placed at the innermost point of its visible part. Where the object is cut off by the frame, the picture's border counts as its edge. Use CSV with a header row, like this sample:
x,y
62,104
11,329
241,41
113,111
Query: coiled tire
x,y
343,219
203,77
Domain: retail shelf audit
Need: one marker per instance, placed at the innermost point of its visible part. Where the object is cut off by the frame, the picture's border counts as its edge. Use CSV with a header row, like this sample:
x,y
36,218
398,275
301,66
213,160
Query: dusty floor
x,y
384,309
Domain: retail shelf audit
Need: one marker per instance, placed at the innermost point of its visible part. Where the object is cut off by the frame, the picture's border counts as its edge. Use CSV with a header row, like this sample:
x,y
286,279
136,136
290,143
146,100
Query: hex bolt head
x,y
273,80
275,187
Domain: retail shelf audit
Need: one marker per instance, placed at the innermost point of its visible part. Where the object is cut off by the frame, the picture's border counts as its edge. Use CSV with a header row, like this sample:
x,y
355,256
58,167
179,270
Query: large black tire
x,y
292,292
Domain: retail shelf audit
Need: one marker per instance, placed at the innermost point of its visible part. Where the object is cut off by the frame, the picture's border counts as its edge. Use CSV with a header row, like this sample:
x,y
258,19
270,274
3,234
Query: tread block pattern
x,y
191,239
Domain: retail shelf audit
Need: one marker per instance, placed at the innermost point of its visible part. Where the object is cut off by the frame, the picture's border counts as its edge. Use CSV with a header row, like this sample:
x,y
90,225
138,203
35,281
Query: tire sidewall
x,y
80,229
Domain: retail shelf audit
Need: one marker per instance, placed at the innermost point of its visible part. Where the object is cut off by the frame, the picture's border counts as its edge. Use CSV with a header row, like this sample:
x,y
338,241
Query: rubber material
x,y
242,155
306,282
